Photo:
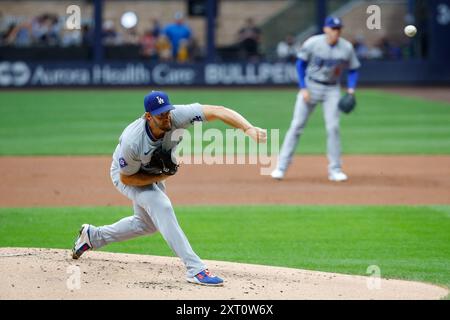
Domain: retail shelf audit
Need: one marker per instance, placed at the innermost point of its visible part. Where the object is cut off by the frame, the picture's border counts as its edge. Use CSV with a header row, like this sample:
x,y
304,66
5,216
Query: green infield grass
x,y
404,242
89,122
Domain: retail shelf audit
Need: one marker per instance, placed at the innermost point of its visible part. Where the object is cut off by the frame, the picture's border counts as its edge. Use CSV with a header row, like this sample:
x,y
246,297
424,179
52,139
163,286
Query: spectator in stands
x,y
39,29
287,50
195,52
71,38
20,35
176,32
23,35
109,34
183,51
87,35
361,49
156,28
131,36
164,48
148,46
53,30
390,51
249,38
375,53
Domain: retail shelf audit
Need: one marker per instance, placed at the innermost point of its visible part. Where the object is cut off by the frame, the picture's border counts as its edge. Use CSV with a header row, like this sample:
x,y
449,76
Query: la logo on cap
x,y
160,100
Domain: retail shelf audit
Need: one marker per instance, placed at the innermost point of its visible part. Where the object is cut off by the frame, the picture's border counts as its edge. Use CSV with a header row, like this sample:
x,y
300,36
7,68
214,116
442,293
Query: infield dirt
x,y
49,274
85,181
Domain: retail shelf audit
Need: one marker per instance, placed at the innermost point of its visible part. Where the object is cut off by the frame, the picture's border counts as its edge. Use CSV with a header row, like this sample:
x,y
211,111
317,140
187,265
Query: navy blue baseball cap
x,y
333,22
157,102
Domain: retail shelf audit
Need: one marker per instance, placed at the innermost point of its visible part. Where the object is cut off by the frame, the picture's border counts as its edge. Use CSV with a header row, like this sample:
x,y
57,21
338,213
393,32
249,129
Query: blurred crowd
x,y
44,29
248,40
383,49
170,42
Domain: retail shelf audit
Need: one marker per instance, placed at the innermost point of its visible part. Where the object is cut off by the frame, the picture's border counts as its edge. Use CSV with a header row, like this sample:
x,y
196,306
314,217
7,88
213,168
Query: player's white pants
x,y
329,96
152,212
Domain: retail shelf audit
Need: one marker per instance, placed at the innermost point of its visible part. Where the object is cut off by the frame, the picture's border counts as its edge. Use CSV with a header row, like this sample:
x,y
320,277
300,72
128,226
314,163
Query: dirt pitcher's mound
x,y
52,274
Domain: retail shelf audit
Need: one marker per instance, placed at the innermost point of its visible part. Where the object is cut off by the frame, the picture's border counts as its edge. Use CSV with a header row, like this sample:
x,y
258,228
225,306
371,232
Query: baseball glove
x,y
347,103
155,166
162,159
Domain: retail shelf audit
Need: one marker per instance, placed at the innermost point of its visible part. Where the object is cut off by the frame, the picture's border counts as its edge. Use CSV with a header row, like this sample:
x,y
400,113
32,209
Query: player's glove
x,y
347,103
155,167
163,158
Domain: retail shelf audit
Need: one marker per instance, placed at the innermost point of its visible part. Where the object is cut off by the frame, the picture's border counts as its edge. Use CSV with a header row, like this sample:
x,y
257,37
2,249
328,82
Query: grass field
x,y
405,242
81,122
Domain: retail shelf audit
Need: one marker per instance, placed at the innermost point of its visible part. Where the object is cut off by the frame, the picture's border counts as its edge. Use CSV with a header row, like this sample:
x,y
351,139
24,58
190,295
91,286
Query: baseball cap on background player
x,y
333,22
157,102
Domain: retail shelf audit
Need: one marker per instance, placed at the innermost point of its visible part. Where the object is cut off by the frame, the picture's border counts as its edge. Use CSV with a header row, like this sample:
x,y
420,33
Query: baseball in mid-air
x,y
410,31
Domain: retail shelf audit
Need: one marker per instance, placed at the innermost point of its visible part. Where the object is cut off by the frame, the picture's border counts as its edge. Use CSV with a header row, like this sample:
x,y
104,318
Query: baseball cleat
x,y
337,176
83,243
277,174
205,278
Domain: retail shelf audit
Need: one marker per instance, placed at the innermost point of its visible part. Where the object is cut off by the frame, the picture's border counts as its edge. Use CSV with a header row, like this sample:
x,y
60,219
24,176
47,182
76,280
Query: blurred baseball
x,y
410,31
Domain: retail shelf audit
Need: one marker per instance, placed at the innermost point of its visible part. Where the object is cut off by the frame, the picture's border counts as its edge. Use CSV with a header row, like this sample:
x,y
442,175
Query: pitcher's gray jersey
x,y
136,146
326,63
152,208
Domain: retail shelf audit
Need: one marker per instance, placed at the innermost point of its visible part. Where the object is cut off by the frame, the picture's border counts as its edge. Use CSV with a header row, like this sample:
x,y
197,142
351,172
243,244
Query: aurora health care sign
x,y
23,74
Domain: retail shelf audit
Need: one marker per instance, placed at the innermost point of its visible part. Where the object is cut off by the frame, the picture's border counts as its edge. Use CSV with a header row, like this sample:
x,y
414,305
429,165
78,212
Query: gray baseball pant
x,y
329,96
153,212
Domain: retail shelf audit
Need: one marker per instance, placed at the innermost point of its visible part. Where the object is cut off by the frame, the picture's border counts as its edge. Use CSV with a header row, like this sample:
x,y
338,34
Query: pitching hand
x,y
257,134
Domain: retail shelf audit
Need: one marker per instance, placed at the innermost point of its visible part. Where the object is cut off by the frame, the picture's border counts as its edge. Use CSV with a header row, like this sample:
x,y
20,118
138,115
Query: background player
x,y
320,64
134,176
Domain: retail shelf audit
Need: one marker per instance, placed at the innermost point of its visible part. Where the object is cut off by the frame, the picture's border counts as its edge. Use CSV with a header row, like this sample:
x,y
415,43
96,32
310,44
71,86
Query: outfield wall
x,y
20,74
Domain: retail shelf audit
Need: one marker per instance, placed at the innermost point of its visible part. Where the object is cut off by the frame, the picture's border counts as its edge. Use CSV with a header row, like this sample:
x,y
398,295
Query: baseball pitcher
x,y
141,163
321,61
